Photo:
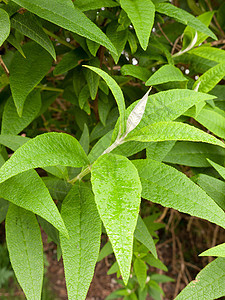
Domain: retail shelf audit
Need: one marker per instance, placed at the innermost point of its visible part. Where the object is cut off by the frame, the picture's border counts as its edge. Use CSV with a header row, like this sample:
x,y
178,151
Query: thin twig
x,y
214,18
4,66
160,28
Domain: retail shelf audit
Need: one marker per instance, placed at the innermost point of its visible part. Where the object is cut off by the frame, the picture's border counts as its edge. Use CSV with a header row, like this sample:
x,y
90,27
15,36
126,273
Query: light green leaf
x,y
211,53
117,93
184,17
209,283
218,168
105,251
66,15
29,25
142,235
136,72
140,272
117,195
49,149
5,26
80,252
158,150
25,247
84,140
165,74
22,80
210,78
28,191
85,5
141,14
173,131
165,185
13,142
92,78
11,122
218,250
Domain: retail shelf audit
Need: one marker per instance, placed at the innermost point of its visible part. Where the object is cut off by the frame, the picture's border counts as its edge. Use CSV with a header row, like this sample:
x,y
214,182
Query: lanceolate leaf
x,y
5,26
80,251
13,141
184,17
117,190
11,122
117,93
209,283
28,191
28,25
49,149
23,237
26,73
165,185
173,131
141,14
211,53
218,250
66,15
219,169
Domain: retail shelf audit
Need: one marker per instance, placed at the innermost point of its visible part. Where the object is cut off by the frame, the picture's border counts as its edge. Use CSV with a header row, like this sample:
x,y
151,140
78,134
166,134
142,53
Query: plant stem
x,y
4,66
81,175
48,88
56,37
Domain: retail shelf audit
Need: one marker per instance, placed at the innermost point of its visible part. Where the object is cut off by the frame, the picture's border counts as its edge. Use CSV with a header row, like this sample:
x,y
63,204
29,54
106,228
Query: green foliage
x,y
131,141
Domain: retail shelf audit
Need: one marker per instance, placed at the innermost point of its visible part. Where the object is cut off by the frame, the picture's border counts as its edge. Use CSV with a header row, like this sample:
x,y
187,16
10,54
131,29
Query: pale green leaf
x,y
158,150
85,5
141,14
117,194
209,283
184,17
165,185
13,142
218,250
26,73
11,122
66,15
29,25
25,247
140,270
218,168
5,26
136,72
172,131
80,252
211,53
166,74
210,78
117,93
49,149
28,191
105,251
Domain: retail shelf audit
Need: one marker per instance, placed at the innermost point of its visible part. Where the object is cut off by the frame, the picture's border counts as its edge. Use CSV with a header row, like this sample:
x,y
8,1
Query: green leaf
x,y
80,252
142,235
218,250
66,15
158,150
156,263
218,168
25,247
166,74
22,80
105,251
117,93
13,142
31,110
111,183
209,283
172,131
141,14
49,149
28,191
29,25
165,185
211,53
136,72
5,26
84,140
16,43
92,78
184,17
85,5
210,78
140,272
92,47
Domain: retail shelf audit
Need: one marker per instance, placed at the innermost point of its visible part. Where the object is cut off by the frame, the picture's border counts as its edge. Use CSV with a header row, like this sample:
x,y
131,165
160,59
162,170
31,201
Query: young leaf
x,y
29,70
141,14
210,78
28,191
5,26
49,149
117,190
29,25
165,185
211,53
184,17
117,93
140,270
23,237
31,110
218,250
80,252
172,131
66,15
209,283
165,74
